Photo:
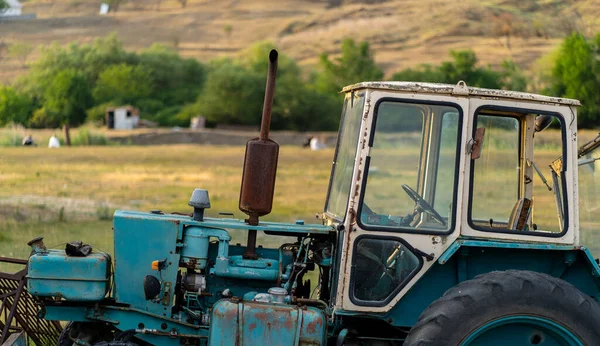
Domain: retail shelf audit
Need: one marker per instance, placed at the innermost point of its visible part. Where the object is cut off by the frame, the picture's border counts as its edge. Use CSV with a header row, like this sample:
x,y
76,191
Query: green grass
x,y
70,193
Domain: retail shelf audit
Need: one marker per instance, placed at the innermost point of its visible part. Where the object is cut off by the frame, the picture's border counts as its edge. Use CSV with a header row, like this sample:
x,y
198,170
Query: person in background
x,y
53,142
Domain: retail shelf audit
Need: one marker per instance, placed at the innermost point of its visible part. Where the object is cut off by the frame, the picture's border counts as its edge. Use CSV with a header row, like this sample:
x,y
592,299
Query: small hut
x,y
122,118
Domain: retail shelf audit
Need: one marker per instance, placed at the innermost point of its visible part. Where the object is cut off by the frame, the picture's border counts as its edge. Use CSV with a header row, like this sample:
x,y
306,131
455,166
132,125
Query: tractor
x,y
454,216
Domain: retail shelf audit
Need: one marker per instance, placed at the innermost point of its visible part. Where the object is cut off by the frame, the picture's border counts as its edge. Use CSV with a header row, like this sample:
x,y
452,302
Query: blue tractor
x,y
453,217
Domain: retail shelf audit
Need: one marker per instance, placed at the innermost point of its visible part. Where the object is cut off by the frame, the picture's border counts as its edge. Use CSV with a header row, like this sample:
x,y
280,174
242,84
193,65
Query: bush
x,y
123,84
11,136
86,137
97,114
168,117
15,107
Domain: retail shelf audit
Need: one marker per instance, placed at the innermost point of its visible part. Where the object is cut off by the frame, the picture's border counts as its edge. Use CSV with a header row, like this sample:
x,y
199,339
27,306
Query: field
x,y
71,193
403,33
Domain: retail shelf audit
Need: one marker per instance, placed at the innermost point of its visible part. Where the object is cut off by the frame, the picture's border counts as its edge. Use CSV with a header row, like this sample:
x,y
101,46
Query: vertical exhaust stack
x,y
260,165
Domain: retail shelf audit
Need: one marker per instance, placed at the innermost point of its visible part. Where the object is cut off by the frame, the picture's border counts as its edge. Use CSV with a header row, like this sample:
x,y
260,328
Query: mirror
x,y
542,122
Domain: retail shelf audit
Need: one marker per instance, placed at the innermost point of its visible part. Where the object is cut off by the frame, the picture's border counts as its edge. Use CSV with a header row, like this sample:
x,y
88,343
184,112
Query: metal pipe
x,y
269,93
315,302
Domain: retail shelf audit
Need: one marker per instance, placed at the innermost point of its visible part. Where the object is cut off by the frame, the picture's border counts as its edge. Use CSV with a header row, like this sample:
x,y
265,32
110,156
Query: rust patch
x,y
313,326
251,327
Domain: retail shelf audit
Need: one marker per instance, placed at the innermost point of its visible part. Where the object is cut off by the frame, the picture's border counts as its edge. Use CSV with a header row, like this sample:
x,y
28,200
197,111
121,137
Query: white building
x,y
122,118
14,8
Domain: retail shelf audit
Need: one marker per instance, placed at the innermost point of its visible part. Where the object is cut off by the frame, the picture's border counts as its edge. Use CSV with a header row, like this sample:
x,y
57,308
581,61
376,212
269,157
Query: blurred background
x,y
157,97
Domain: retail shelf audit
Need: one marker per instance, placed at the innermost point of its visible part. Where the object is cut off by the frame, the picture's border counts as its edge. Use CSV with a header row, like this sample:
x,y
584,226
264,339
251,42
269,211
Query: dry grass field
x,y
404,33
70,193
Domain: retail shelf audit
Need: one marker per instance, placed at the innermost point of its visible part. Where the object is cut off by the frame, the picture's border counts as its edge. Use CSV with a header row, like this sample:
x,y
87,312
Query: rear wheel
x,y
509,308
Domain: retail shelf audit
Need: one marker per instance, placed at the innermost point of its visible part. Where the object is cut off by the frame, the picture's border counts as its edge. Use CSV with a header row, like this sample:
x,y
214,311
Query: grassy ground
x,y
404,33
70,194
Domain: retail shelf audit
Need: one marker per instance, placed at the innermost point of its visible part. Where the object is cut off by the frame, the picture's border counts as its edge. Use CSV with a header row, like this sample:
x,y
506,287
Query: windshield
x,y
345,155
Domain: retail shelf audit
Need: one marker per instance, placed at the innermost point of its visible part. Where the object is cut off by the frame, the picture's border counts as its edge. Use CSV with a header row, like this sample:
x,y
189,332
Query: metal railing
x,y
19,310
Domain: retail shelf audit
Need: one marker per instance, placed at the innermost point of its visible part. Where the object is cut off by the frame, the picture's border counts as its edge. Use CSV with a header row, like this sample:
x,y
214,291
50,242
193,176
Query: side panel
x,y
572,266
139,240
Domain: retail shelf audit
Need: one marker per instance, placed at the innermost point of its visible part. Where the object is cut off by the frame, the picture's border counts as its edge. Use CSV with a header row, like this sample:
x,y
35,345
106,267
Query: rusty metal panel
x,y
19,311
253,323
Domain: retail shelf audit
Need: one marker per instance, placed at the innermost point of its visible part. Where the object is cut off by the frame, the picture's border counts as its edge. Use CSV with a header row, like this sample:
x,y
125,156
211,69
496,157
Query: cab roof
x,y
460,89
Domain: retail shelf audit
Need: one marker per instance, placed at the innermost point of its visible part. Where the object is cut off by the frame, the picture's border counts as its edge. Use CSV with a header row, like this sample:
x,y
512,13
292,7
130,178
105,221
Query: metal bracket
x,y
461,89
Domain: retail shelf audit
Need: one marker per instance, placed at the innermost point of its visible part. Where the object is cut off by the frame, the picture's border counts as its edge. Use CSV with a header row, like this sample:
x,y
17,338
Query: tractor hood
x,y
281,228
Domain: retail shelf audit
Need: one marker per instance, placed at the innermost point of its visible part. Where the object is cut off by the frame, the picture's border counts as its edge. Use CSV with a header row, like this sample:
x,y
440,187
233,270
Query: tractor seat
x,y
520,215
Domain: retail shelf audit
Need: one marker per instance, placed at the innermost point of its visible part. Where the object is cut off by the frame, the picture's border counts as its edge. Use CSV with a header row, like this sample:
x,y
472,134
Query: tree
x,y
123,84
176,81
89,59
3,6
576,74
356,64
68,98
14,107
464,66
233,95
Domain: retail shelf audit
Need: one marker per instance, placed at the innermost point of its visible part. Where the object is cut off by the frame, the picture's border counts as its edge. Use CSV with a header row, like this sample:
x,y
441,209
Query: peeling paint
x,y
448,89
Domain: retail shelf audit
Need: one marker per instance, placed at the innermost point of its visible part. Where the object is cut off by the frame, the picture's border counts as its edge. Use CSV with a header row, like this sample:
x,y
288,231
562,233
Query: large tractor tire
x,y
509,308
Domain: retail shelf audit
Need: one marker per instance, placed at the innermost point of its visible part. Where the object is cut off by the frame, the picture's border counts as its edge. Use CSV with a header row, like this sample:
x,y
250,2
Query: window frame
x,y
399,229
563,182
337,218
392,294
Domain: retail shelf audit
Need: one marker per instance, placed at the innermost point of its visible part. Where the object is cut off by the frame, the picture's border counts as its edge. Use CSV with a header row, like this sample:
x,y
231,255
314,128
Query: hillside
x,y
403,33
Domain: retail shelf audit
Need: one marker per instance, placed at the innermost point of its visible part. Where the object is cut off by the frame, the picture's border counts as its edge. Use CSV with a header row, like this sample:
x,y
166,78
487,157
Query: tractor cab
x,y
419,166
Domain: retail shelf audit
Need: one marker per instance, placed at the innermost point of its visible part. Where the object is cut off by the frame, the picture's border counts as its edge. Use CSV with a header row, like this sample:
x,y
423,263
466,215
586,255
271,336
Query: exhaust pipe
x,y
260,165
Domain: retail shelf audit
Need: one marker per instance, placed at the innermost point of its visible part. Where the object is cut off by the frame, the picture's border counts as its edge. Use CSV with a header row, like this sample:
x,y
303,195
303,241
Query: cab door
x,y
403,207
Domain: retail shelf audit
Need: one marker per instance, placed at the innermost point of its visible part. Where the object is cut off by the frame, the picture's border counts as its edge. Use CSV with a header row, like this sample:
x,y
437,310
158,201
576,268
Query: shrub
x,y
86,137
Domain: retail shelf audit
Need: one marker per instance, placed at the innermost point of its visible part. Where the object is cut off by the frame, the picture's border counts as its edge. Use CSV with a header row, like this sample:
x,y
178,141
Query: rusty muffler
x,y
260,165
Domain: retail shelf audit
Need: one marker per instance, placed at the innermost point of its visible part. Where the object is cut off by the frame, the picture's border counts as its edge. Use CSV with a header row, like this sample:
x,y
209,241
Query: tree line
x,y
75,84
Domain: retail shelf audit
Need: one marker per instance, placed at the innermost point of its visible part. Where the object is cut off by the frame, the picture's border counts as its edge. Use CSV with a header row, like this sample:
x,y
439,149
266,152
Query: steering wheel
x,y
421,203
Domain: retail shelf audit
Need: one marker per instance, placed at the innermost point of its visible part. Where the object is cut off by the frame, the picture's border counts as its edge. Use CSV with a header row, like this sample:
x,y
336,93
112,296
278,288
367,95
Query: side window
x,y
548,207
496,171
517,180
381,267
446,164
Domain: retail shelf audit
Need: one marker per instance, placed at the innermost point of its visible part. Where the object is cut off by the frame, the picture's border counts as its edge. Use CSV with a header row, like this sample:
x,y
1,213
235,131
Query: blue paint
x,y
210,222
208,315
522,330
127,318
566,262
266,324
238,268
54,274
498,244
141,238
